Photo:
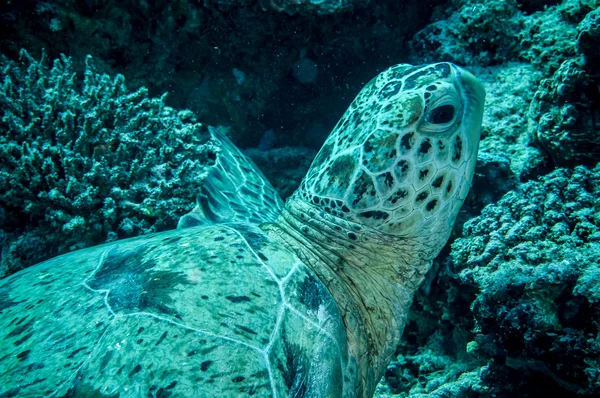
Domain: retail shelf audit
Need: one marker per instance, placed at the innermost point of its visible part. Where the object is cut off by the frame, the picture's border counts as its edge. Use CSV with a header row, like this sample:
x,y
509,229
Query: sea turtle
x,y
251,297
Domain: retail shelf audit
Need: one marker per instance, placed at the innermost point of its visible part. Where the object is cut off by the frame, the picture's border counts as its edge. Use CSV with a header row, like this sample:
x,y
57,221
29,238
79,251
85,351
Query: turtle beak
x,y
473,98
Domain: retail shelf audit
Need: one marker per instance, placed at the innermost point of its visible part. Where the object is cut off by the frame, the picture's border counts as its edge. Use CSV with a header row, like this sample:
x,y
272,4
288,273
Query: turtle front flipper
x,y
235,191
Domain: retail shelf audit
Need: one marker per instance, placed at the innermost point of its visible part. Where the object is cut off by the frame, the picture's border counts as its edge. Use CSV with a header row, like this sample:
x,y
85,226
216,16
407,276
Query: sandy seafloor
x,y
512,305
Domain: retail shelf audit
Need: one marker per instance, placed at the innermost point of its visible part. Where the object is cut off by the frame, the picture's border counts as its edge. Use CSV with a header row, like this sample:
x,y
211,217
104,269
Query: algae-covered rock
x,y
588,38
484,33
534,257
565,115
83,163
547,38
477,32
509,91
511,308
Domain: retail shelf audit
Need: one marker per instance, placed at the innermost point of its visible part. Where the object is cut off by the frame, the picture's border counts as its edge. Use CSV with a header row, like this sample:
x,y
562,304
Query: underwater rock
x,y
484,33
85,164
512,306
509,91
477,32
565,115
547,37
534,258
588,39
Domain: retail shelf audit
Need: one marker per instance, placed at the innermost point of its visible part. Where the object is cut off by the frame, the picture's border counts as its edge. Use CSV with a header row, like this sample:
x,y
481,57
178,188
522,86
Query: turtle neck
x,y
372,277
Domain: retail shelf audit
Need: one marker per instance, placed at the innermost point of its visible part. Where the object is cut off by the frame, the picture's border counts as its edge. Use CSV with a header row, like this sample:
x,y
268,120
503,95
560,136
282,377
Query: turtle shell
x,y
216,310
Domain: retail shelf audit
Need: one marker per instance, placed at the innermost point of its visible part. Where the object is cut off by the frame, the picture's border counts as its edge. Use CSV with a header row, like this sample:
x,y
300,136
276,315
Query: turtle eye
x,y
442,114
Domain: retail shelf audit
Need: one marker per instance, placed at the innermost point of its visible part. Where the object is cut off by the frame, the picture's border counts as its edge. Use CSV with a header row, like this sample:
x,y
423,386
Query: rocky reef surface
x,y
515,305
511,306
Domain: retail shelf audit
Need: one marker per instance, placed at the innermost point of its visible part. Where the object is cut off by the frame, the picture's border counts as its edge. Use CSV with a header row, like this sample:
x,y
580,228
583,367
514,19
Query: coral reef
x,y
534,257
82,163
528,269
473,32
484,33
565,115
565,112
509,91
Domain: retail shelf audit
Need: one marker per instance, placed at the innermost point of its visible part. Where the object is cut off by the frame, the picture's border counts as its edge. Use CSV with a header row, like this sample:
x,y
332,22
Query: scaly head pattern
x,y
401,159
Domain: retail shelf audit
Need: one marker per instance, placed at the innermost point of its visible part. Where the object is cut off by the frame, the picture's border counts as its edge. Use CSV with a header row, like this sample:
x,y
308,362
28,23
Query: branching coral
x,y
82,163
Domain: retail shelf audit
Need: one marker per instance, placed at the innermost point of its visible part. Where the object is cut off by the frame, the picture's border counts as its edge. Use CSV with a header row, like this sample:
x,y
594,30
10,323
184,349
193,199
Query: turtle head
x,y
401,159
381,197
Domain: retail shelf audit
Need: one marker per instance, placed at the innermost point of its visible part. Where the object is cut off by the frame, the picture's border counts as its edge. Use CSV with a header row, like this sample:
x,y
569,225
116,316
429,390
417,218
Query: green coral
x,y
85,162
513,306
534,257
475,32
565,115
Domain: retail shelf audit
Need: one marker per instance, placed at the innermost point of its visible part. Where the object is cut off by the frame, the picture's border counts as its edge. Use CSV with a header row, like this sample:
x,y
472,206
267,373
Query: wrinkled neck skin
x,y
372,278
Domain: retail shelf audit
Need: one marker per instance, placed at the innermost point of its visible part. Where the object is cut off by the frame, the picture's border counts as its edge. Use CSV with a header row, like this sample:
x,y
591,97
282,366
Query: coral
x,y
477,32
547,37
509,91
565,111
534,258
484,33
588,39
565,115
511,308
83,163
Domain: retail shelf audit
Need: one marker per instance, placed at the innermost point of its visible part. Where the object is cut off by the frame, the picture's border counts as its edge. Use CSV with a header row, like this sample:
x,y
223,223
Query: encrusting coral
x,y
565,112
514,308
83,163
534,257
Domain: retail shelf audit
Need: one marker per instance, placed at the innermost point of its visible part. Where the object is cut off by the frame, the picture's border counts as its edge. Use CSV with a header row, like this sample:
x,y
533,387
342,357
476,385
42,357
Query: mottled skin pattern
x,y
243,302
381,197
205,311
